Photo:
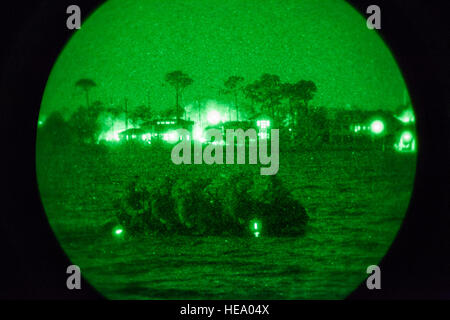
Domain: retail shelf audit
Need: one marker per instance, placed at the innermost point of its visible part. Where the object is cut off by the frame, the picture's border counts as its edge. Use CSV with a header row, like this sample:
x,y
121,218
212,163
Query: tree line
x,y
288,104
266,95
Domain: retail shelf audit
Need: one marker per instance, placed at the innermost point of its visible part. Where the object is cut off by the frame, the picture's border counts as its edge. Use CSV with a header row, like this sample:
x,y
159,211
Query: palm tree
x,y
233,85
252,92
86,85
179,81
267,91
298,94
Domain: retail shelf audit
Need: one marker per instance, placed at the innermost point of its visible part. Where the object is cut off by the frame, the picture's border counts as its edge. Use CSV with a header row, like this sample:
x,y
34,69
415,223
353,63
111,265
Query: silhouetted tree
x,y
299,95
179,81
170,113
266,91
140,114
305,90
84,122
233,85
252,92
86,85
289,93
54,131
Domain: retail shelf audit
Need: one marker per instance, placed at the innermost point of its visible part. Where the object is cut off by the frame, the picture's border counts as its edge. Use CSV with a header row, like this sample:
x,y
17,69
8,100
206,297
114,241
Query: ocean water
x,y
356,202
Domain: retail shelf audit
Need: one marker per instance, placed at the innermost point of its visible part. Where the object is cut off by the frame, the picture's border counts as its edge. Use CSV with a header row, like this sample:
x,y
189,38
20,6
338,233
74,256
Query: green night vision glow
x,y
213,117
161,230
406,142
407,116
263,124
377,126
255,226
407,136
118,231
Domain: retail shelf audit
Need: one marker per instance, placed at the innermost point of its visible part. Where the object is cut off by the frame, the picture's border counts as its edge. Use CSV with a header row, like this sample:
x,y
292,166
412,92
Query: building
x,y
133,134
160,130
166,129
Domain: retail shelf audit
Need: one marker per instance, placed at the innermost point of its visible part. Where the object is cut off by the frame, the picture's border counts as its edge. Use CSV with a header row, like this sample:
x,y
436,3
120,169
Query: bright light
x,y
377,126
255,227
118,231
170,136
407,136
111,136
197,133
263,123
406,142
406,116
404,119
213,117
111,130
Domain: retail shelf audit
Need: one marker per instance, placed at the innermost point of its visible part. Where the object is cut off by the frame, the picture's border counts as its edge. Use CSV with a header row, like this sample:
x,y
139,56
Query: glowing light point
x,y
406,142
118,231
171,136
263,124
377,126
255,227
213,117
406,116
407,136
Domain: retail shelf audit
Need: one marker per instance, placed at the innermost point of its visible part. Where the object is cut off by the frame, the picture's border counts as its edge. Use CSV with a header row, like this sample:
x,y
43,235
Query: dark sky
x,y
128,46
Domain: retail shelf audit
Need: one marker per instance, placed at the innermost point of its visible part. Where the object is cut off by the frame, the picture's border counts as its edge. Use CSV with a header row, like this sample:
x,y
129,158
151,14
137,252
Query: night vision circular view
x,y
225,149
